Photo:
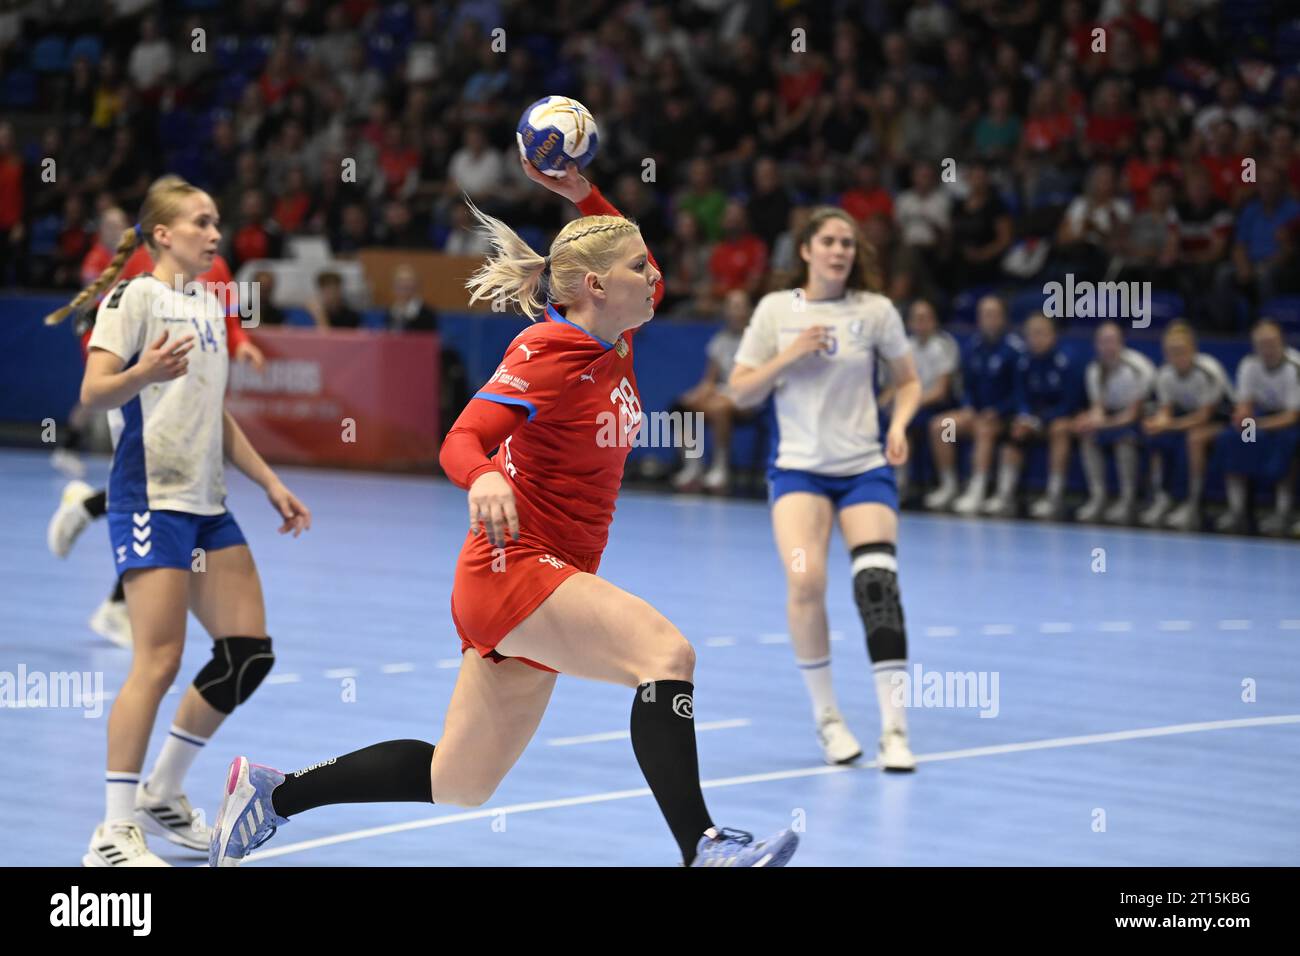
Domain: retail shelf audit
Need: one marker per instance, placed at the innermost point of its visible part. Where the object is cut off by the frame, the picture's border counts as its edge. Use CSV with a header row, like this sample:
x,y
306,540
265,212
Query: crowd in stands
x,y
981,145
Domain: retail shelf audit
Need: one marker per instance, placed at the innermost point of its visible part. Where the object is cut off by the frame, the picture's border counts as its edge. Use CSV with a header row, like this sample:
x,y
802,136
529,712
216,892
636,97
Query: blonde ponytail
x,y
514,272
129,242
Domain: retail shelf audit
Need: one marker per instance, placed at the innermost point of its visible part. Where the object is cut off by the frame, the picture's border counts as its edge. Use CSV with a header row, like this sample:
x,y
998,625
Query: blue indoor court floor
x,y
1118,733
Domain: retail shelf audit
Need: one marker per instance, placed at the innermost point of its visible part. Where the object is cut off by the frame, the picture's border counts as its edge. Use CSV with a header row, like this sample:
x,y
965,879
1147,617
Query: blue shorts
x,y
1267,458
877,486
1118,433
167,539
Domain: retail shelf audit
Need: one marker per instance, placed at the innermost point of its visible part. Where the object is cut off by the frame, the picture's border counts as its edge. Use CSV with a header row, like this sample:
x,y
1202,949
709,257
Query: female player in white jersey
x,y
158,364
815,347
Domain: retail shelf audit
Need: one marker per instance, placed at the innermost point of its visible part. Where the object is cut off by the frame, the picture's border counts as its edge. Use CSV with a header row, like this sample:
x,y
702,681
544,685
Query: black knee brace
x,y
875,591
238,666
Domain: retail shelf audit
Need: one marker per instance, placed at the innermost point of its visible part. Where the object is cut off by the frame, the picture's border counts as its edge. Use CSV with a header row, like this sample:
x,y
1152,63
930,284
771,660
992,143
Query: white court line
x,y
283,679
338,672
1055,627
774,639
941,631
1115,627
624,735
837,635
992,629
1290,624
720,641
1235,625
1175,625
449,662
397,668
490,812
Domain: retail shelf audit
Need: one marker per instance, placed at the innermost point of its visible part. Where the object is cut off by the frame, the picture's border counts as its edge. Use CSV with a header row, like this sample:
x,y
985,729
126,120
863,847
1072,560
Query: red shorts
x,y
495,591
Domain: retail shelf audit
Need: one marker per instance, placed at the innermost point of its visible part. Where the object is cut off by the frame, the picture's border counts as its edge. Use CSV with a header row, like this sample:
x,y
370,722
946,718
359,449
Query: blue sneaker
x,y
737,848
247,819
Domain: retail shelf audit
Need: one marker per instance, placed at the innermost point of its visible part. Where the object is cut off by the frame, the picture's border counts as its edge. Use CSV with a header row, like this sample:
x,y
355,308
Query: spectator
x,y
399,228
687,281
1151,245
255,235
293,207
151,57
12,229
998,132
355,231
981,231
1256,252
476,169
265,311
929,131
703,200
711,397
464,239
1223,161
1227,105
76,236
924,217
637,203
329,310
740,258
1154,162
1094,227
112,223
408,313
1111,128
1267,403
769,205
1205,227
866,197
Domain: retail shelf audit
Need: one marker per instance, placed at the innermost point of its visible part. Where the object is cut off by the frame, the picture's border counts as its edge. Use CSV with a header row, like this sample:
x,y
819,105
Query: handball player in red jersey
x,y
561,409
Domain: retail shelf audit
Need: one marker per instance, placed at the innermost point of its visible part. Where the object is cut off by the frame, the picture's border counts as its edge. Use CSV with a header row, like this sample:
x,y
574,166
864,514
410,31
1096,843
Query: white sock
x,y
1126,463
817,678
977,482
1283,498
1055,486
1157,475
892,715
948,478
178,753
1236,485
119,795
1008,475
1094,467
1195,483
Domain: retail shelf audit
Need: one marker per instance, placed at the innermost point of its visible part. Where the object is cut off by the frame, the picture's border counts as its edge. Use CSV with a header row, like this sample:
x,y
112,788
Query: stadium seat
x,y
50,55
87,45
964,302
19,89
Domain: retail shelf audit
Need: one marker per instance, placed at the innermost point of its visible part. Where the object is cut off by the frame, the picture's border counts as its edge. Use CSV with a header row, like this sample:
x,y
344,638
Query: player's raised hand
x,y
492,506
163,361
571,184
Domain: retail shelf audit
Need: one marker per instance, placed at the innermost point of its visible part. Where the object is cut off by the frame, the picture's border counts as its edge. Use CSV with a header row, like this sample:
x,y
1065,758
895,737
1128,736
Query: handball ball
x,y
554,131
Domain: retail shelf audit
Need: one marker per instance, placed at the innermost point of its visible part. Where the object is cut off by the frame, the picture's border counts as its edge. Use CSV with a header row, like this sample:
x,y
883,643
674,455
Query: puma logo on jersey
x,y
588,377
528,353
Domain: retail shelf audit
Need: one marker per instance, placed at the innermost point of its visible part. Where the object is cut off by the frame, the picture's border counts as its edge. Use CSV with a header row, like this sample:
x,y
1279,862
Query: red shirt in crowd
x,y
735,262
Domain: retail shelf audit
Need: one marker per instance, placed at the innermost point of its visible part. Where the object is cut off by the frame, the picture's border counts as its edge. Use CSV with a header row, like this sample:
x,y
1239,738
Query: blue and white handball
x,y
557,130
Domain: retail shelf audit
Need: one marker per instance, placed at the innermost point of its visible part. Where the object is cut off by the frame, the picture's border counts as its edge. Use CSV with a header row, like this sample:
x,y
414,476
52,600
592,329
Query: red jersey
x,y
565,464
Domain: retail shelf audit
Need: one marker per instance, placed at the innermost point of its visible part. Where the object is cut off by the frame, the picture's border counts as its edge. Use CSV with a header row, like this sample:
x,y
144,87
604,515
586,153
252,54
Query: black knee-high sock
x,y
663,739
119,592
396,771
97,503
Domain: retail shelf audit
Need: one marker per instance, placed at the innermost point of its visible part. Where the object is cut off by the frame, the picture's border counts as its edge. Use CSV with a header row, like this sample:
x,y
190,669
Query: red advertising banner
x,y
351,399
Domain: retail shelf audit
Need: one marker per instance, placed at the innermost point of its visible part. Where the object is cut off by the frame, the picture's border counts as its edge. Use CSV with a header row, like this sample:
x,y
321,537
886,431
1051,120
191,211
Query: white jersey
x,y
1206,383
826,420
167,440
1270,390
937,356
1128,382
